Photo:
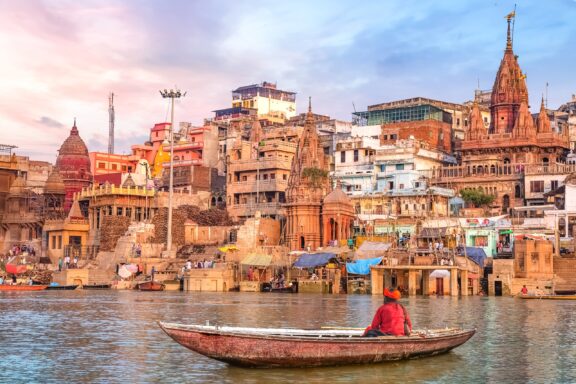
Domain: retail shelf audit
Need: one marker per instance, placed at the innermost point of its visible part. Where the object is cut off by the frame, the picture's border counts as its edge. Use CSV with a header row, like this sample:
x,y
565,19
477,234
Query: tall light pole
x,y
171,94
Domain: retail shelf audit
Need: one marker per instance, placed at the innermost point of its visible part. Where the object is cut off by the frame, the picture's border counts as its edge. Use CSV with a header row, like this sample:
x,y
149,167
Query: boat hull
x,y
549,297
253,350
5,287
97,286
62,287
151,286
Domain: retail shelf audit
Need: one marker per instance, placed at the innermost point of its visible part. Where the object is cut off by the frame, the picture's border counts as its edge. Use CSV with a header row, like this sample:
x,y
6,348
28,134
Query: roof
x,y
374,246
256,259
311,260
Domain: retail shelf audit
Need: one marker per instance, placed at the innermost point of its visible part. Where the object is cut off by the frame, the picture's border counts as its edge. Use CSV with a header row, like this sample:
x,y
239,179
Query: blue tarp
x,y
476,254
311,260
362,267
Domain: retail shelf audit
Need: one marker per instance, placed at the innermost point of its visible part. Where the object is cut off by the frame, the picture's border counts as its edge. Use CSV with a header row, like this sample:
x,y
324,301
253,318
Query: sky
x,y
62,58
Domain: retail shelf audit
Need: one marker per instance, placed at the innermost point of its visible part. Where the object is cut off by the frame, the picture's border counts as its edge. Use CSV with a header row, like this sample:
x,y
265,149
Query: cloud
x,y
65,57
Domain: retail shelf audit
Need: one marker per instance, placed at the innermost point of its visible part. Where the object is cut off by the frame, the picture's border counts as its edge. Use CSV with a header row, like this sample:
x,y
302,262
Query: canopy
x,y
362,267
15,269
258,260
439,273
311,260
433,233
476,254
374,246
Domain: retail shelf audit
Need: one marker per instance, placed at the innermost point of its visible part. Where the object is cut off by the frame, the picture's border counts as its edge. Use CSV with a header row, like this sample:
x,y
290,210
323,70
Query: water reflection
x,y
109,336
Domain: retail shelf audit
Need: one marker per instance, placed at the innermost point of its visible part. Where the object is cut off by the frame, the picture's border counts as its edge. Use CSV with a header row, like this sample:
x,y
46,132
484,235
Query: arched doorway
x,y
517,191
302,242
505,203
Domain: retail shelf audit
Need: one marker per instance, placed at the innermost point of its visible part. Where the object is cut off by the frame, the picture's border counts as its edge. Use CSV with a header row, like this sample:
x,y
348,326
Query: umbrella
x,y
440,273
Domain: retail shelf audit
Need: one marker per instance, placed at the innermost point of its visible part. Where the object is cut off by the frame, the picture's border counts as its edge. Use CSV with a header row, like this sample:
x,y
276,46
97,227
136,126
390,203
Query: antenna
x,y
111,123
354,107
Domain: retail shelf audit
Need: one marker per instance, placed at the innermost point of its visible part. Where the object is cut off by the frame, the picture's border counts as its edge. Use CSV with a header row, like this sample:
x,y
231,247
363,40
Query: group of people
x,y
536,292
200,264
23,249
66,264
438,246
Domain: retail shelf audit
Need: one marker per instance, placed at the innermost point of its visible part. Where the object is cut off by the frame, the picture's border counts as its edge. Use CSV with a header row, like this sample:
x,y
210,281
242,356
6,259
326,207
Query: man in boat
x,y
391,319
524,290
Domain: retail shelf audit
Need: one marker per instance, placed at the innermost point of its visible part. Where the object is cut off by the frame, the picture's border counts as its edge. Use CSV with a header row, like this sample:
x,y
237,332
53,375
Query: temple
x,y
495,159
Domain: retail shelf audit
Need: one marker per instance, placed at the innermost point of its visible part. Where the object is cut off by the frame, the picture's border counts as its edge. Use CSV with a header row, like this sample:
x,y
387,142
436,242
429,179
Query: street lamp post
x,y
171,94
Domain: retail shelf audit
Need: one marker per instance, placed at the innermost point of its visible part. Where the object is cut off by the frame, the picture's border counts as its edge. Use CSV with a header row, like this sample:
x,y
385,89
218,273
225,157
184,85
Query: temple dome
x,y
73,161
54,183
337,196
18,186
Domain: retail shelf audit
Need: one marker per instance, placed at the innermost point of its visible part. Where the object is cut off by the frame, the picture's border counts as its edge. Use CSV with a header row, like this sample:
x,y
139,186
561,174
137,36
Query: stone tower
x,y
307,185
73,164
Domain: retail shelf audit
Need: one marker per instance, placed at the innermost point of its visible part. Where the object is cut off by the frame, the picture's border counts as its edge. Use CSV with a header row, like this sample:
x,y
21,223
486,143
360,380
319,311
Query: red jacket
x,y
390,319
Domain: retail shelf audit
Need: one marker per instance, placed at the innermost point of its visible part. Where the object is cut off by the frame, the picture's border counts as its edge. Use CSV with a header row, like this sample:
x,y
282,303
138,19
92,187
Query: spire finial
x,y
509,17
74,123
310,104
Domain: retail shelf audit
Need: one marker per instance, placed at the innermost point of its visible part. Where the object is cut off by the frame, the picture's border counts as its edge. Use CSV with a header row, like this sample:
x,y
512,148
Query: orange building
x,y
438,134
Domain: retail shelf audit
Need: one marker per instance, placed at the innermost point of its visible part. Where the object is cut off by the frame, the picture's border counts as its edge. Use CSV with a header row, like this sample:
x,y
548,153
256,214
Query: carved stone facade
x,y
494,159
307,185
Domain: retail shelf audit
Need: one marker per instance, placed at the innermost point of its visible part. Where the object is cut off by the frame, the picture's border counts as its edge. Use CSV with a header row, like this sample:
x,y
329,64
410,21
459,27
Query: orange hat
x,y
392,294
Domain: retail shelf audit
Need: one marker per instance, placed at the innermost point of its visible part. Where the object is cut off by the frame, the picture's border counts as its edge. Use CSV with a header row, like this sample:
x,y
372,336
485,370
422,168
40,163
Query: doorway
x,y
497,288
440,286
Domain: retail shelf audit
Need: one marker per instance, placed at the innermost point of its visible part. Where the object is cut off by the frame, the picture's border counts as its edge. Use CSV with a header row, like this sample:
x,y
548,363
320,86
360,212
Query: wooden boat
x,y
6,287
151,286
292,288
267,347
547,297
97,286
62,287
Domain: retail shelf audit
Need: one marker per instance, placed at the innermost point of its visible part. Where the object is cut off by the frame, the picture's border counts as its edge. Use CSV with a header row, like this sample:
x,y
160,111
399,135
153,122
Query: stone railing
x,y
105,190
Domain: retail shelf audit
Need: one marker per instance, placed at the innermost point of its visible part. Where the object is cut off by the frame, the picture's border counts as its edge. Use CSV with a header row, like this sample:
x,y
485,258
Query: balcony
x,y
111,190
251,186
262,164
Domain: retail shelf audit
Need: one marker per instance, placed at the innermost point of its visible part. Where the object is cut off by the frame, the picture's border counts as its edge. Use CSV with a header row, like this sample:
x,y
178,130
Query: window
x,y
393,137
423,207
342,157
401,186
399,167
406,206
244,178
114,167
60,242
355,155
284,177
119,211
385,137
536,186
357,187
554,184
124,168
534,257
265,176
101,165
128,212
458,121
53,242
417,184
390,185
272,176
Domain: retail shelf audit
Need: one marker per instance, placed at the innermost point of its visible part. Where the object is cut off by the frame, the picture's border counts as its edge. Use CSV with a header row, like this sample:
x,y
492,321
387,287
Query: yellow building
x,y
68,237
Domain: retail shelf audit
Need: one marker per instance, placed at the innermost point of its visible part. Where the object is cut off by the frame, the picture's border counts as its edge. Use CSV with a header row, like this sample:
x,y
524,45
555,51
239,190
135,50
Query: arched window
x,y
505,203
492,169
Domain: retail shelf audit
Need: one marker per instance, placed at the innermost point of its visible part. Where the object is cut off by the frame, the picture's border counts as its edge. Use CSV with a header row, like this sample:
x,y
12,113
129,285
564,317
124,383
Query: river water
x,y
112,336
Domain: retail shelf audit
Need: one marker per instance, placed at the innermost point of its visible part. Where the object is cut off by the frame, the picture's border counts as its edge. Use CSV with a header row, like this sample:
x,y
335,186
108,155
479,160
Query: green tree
x,y
476,198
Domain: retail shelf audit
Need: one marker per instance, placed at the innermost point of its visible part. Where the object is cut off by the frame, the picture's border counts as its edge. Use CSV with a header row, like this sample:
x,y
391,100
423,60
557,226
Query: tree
x,y
476,198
